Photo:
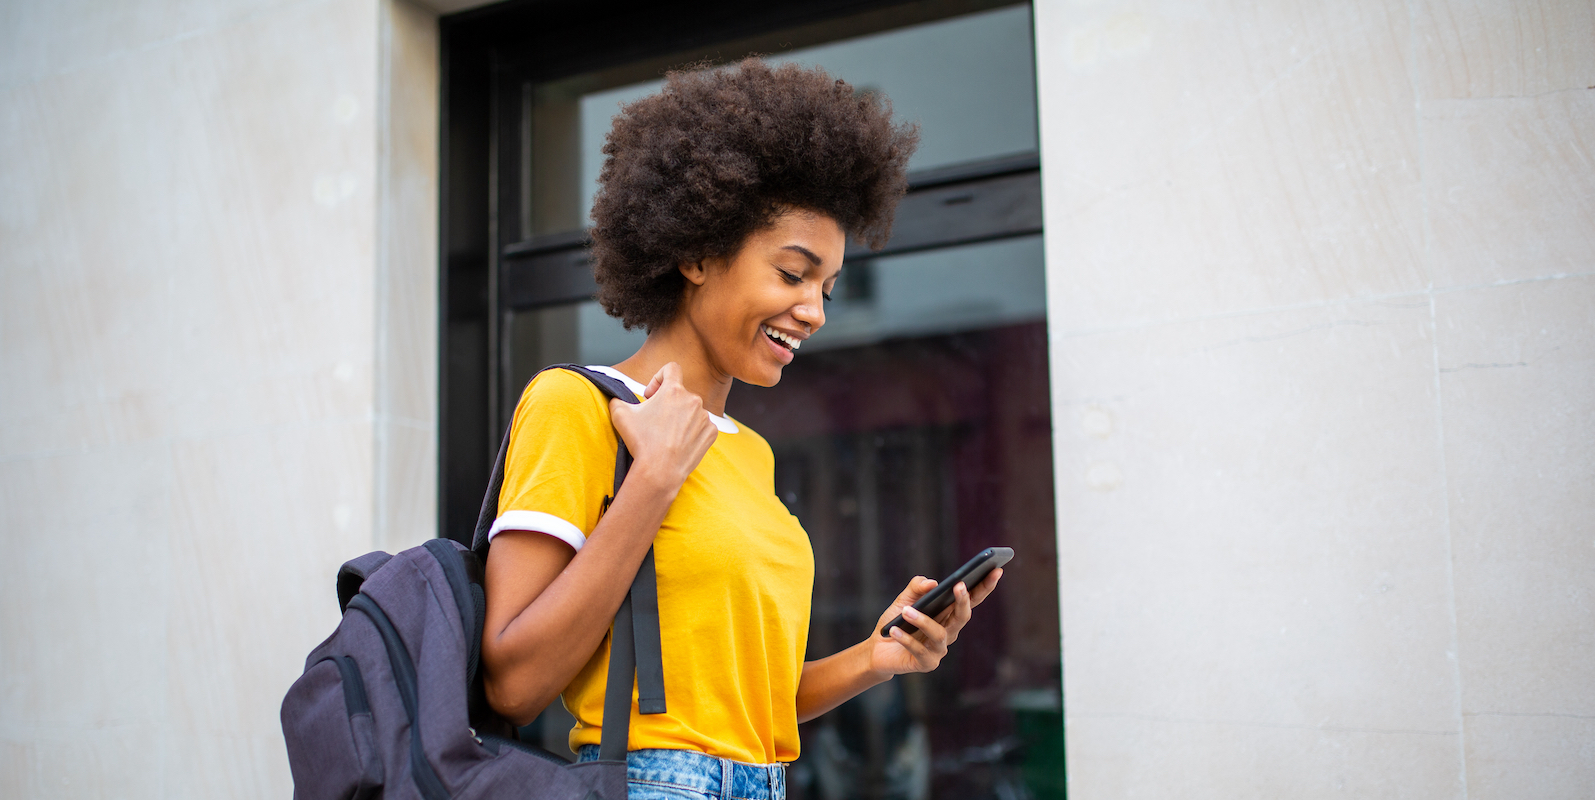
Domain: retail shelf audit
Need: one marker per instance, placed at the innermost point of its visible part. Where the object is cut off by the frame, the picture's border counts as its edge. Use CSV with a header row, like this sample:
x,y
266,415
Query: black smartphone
x,y
938,599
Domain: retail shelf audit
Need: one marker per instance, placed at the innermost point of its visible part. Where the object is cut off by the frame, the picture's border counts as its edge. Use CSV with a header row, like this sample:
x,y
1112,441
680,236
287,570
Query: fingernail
x,y
910,613
897,633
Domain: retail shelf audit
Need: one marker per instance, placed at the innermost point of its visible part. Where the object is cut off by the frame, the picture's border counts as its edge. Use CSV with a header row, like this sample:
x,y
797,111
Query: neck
x,y
678,342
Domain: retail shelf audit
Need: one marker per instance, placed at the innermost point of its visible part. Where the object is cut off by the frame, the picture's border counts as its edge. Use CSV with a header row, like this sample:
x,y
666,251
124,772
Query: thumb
x,y
915,589
669,373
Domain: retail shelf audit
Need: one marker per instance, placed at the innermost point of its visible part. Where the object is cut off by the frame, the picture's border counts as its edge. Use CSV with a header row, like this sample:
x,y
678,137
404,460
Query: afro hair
x,y
716,155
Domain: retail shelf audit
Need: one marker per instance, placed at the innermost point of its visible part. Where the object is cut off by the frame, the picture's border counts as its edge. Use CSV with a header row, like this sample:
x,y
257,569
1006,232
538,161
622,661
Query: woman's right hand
x,y
540,626
669,434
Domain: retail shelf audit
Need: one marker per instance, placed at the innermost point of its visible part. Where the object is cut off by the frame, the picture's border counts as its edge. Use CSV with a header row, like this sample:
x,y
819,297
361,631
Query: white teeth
x,y
790,341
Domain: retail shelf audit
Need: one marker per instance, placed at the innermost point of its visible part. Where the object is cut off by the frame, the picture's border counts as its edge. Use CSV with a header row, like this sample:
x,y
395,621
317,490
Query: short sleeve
x,y
561,460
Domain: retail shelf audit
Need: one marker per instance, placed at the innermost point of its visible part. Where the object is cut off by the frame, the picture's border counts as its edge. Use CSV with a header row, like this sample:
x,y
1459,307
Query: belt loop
x,y
725,779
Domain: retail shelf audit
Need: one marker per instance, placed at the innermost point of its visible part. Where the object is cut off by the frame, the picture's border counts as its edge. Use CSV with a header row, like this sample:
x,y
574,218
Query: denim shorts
x,y
690,775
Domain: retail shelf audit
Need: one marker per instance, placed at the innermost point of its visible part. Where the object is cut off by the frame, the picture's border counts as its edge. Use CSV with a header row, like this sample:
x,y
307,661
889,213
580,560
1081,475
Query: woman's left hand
x,y
923,651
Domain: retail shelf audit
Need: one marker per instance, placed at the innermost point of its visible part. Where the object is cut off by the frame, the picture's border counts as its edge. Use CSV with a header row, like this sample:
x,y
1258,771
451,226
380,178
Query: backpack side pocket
x,y
326,720
362,728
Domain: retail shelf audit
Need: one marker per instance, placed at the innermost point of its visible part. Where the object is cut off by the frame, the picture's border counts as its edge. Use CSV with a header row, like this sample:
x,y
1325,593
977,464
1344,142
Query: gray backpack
x,y
391,704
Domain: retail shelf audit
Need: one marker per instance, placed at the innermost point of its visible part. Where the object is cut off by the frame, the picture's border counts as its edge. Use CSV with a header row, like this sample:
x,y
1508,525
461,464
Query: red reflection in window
x,y
906,457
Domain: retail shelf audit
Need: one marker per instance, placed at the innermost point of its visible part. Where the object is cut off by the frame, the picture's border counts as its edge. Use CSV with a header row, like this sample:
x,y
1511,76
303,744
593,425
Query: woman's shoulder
x,y
751,436
749,443
563,393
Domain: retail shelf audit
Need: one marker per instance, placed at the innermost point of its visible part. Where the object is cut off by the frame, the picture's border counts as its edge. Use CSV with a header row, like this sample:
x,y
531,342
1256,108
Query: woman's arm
x,y
833,680
548,607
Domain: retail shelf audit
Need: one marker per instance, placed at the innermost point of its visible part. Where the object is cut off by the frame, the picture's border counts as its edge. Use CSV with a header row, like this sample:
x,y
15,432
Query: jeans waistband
x,y
720,778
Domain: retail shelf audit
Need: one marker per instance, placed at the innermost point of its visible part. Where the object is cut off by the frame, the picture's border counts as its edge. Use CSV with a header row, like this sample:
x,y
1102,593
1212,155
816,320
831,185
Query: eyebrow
x,y
805,251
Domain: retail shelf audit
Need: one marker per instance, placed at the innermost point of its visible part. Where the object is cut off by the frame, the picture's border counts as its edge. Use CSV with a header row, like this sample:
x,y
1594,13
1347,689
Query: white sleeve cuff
x,y
540,522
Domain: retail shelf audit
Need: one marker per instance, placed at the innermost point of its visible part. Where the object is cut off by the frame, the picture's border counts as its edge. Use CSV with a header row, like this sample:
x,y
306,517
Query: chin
x,y
765,377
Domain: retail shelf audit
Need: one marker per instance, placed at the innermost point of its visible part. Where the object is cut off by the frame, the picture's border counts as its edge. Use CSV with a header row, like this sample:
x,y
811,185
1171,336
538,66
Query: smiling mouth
x,y
781,339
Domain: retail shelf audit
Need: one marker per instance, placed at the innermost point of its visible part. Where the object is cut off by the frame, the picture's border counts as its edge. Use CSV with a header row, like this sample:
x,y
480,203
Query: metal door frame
x,y
489,269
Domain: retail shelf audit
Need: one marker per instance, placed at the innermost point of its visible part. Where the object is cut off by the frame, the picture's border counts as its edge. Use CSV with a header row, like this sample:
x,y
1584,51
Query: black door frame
x,y
488,267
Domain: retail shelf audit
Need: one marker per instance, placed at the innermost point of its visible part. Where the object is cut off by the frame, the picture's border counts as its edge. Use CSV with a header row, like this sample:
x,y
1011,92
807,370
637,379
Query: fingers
x,y
917,587
956,615
707,434
915,648
985,588
668,435
928,646
669,373
926,657
930,631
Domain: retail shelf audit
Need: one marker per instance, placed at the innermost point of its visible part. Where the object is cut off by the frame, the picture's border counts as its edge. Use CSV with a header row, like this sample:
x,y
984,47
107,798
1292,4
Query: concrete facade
x,y
218,335
1322,319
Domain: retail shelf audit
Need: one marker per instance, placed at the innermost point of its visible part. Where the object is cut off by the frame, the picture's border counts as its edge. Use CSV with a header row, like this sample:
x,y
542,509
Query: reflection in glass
x,y
904,458
915,432
941,291
969,81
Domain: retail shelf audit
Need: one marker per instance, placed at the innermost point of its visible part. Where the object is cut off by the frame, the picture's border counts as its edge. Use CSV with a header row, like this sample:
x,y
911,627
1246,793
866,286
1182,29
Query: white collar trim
x,y
724,424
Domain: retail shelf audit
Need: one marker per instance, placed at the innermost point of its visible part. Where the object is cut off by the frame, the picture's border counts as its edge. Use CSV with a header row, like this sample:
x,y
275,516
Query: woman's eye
x,y
826,295
791,278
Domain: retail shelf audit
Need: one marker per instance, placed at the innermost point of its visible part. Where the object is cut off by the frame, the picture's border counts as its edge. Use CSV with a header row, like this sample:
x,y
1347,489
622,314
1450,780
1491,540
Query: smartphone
x,y
938,599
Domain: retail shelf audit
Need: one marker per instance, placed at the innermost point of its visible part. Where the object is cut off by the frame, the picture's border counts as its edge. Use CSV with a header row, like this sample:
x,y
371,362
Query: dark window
x,y
912,431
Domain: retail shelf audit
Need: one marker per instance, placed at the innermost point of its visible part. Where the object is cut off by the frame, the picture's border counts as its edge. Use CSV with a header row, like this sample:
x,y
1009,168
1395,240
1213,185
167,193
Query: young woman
x,y
725,205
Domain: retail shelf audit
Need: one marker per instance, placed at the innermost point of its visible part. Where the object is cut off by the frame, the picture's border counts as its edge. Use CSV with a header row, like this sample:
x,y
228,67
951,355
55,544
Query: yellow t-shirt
x,y
736,574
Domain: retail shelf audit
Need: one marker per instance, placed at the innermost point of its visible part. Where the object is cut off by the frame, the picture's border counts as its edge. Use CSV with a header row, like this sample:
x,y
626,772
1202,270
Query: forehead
x,y
804,233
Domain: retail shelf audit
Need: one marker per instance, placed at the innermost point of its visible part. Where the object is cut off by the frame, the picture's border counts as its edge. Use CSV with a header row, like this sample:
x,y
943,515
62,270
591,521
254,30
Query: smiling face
x,y
753,309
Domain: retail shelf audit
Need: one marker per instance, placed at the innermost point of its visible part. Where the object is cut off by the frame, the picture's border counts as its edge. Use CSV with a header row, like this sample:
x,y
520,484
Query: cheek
x,y
729,320
730,312
733,307
739,306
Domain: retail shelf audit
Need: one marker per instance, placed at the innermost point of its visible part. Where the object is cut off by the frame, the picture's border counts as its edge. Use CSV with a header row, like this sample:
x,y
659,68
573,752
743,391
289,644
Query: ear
x,y
694,271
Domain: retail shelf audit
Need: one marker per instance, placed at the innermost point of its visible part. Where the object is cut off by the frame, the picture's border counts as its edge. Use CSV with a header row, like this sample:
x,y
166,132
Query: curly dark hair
x,y
694,170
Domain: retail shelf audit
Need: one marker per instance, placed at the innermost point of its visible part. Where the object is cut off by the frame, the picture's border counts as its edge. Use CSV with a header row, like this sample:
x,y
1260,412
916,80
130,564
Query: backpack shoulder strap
x,y
635,647
611,387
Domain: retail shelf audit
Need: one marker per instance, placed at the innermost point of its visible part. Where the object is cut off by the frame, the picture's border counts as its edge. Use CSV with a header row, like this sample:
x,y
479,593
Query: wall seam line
x,y
1455,655
382,313
1421,296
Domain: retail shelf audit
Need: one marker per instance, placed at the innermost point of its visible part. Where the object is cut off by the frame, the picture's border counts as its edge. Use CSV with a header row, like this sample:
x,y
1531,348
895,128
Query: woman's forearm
x,y
833,680
531,659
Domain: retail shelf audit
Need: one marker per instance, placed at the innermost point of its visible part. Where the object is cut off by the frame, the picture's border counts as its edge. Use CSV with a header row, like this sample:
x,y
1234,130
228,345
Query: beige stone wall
x,y
406,379
217,370
1321,285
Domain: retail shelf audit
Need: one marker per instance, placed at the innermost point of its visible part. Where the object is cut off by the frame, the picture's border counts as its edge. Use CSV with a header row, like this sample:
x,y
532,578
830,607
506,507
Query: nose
x,y
811,312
